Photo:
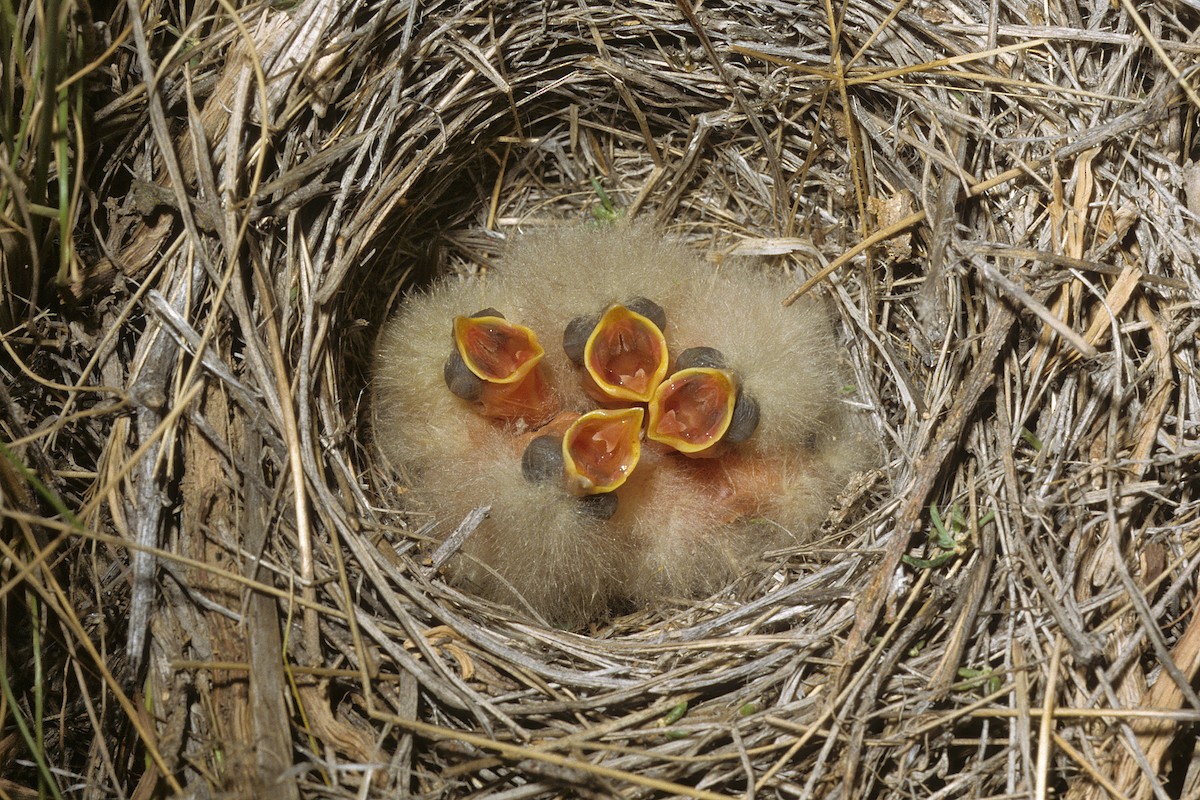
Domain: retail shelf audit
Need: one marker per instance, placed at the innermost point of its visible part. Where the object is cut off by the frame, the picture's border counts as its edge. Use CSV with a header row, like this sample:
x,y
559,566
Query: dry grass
x,y
999,201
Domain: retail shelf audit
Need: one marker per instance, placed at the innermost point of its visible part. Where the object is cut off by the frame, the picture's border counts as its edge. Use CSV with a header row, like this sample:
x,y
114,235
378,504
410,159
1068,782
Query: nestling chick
x,y
660,424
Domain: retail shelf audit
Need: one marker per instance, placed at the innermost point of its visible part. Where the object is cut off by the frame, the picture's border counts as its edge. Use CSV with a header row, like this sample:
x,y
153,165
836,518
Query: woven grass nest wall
x,y
211,585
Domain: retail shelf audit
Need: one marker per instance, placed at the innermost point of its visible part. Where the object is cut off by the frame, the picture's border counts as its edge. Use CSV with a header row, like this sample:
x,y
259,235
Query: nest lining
x,y
414,143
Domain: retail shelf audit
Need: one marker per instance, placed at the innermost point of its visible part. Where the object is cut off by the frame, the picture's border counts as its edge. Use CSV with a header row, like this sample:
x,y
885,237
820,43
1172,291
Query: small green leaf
x,y
676,713
958,523
937,519
979,678
941,535
928,563
607,211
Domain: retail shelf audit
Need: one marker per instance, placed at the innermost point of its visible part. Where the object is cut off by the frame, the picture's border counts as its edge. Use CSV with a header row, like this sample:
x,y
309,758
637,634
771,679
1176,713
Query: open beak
x,y
626,355
496,350
693,409
601,449
495,363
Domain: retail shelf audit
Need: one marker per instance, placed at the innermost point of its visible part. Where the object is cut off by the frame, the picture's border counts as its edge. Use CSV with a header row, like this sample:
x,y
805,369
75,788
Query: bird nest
x,y
213,583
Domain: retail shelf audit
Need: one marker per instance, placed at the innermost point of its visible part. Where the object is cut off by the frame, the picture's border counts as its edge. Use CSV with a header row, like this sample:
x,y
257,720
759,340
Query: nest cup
x,y
581,157
679,527
1001,224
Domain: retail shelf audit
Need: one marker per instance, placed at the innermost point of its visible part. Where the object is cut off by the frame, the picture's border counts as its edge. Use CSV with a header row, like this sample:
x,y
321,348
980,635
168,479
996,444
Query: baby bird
x,y
644,425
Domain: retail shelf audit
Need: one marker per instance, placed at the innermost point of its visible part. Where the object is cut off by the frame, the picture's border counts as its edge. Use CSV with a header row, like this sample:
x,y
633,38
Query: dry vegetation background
x,y
209,586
